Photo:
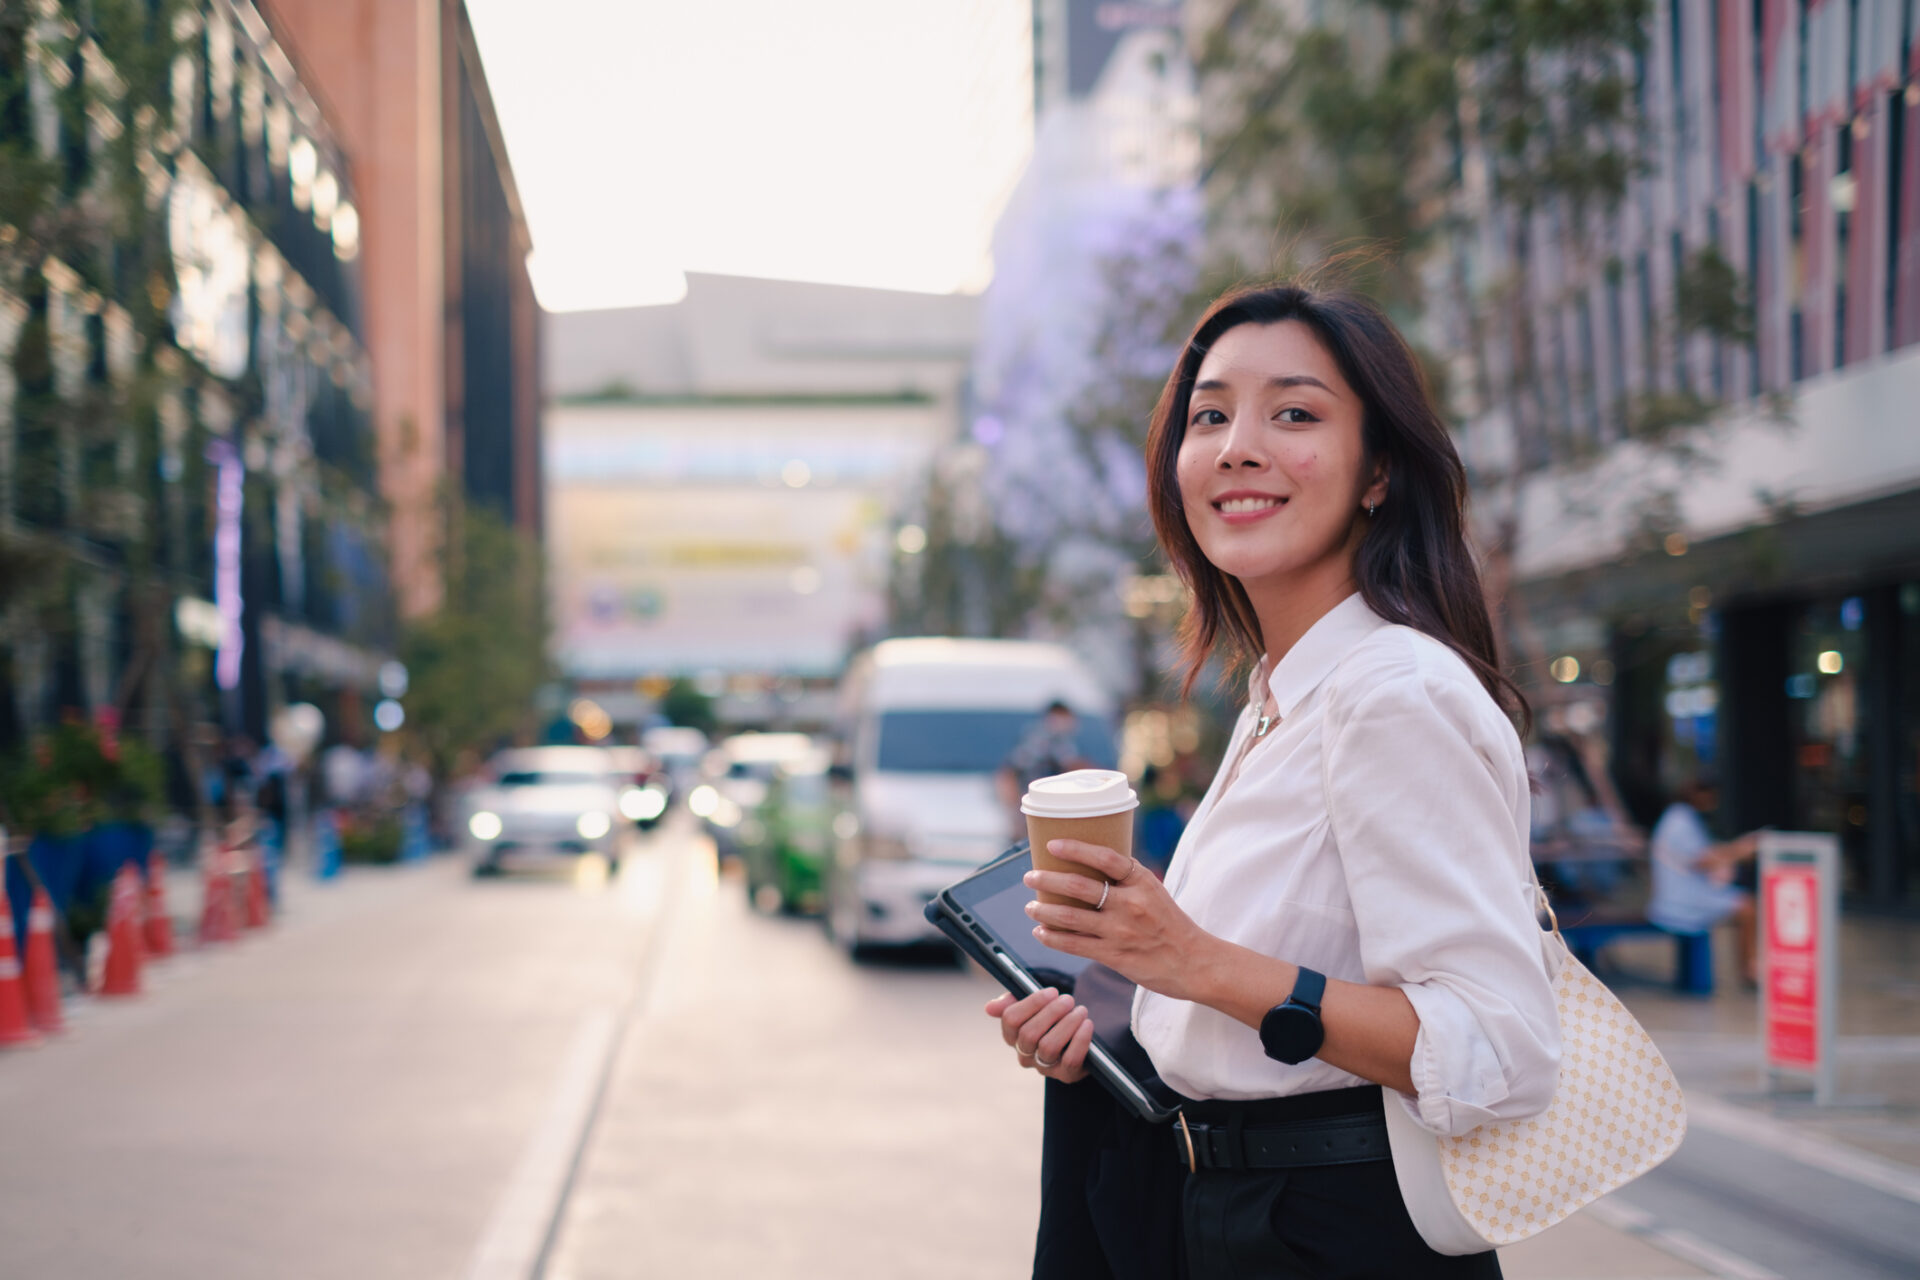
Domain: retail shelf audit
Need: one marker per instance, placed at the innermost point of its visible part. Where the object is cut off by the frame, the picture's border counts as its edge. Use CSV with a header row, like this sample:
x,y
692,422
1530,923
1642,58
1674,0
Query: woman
x,y
1347,924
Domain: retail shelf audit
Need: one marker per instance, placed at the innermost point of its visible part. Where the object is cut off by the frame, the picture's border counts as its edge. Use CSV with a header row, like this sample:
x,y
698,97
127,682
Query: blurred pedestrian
x,y
1343,930
1160,822
1696,878
1049,746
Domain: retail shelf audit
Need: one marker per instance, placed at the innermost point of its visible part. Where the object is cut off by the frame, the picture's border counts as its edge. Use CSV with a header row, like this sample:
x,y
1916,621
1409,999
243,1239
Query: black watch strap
x,y
1309,988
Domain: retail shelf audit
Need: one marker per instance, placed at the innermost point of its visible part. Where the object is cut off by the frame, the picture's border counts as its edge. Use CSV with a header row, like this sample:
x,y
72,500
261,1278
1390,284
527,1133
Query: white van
x,y
929,722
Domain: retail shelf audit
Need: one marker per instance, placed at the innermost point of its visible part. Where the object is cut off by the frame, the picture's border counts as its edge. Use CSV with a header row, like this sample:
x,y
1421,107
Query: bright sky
x,y
867,142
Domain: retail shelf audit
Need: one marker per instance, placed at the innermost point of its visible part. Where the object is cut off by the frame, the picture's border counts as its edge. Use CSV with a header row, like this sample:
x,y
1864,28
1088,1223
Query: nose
x,y
1239,447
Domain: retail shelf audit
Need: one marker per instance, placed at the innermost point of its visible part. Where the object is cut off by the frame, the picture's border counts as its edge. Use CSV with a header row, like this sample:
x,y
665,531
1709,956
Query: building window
x,y
1753,285
1677,251
1896,117
1616,348
1842,197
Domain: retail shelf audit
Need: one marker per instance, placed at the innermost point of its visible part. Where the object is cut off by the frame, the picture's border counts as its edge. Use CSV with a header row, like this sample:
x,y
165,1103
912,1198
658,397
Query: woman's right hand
x,y
1049,1032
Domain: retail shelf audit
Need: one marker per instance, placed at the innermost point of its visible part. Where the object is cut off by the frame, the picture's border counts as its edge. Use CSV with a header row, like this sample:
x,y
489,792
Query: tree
x,y
1466,138
475,665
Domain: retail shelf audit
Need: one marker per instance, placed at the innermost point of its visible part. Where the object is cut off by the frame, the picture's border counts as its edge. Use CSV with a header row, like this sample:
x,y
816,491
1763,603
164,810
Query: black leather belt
x,y
1295,1144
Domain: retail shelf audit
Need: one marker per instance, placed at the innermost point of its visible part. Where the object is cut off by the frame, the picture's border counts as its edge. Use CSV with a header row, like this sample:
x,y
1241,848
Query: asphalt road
x,y
418,1075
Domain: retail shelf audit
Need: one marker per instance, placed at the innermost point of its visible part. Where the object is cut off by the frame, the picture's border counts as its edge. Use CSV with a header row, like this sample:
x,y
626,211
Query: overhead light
x,y
911,540
1565,668
1831,663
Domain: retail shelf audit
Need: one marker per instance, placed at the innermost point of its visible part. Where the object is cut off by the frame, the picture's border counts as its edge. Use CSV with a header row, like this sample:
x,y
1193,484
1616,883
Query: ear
x,y
1375,494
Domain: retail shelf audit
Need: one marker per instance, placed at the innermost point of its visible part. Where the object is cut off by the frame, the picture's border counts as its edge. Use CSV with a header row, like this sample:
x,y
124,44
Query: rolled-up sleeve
x,y
1428,807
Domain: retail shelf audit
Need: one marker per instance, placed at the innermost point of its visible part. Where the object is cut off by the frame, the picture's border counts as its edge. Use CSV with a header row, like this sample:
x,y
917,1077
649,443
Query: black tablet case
x,y
1097,987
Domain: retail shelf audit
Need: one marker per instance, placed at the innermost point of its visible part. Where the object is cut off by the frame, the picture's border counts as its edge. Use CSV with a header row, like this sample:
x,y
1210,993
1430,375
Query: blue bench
x,y
1692,952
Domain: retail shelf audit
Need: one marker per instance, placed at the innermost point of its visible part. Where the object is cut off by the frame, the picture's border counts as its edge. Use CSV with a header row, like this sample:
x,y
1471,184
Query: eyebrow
x,y
1282,381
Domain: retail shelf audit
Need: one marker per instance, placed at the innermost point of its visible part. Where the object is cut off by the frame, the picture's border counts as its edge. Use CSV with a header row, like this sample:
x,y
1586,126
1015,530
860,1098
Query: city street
x,y
420,1075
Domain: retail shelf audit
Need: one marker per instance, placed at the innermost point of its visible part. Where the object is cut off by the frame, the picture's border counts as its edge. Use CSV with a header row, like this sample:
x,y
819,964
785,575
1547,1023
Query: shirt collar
x,y
1314,655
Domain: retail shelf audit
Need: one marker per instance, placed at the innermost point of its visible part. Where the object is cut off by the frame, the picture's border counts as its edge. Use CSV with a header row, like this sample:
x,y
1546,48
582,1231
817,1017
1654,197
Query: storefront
x,y
1783,663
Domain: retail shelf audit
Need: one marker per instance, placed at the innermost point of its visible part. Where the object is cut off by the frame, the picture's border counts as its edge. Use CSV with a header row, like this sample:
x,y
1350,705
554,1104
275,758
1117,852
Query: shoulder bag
x,y
1616,1113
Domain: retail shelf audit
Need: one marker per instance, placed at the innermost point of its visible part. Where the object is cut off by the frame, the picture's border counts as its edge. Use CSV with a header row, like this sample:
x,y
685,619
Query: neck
x,y
1288,606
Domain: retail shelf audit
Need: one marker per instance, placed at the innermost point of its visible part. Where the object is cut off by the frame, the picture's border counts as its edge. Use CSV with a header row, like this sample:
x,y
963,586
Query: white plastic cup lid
x,y
1084,793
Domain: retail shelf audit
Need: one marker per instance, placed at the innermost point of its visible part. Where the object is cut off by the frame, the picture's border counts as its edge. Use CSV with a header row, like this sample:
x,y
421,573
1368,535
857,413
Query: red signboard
x,y
1790,897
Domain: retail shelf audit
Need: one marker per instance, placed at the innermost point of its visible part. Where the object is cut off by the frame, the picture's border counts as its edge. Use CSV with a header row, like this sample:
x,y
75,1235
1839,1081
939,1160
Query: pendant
x,y
1266,723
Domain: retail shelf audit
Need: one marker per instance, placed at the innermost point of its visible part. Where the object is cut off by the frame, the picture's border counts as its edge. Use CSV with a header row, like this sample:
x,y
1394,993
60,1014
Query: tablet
x,y
986,916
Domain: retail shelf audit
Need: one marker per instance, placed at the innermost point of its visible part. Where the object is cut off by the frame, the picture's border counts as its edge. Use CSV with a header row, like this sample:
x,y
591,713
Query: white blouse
x,y
1377,833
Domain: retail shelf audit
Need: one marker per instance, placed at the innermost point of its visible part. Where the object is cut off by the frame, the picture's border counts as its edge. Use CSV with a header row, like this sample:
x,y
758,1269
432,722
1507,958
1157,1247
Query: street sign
x,y
1799,913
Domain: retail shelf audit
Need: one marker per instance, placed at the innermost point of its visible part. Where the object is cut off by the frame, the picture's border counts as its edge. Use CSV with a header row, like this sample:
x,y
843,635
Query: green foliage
x,y
370,839
475,664
79,774
685,705
1711,298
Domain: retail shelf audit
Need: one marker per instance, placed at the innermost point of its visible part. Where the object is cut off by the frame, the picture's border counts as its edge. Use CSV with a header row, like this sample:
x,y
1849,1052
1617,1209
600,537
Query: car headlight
x,y
592,826
703,800
638,804
485,825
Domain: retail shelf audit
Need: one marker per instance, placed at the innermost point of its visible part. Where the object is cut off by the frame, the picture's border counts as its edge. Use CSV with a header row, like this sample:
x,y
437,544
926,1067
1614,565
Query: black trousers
x,y
1116,1205
1109,1192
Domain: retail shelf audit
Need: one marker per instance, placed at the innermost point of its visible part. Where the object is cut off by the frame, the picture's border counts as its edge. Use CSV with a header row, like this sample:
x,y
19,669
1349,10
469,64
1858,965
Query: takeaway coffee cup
x,y
1093,805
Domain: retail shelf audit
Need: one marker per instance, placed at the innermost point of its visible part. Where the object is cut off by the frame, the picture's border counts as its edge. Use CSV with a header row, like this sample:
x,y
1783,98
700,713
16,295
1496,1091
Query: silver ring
x,y
1105,889
1039,1061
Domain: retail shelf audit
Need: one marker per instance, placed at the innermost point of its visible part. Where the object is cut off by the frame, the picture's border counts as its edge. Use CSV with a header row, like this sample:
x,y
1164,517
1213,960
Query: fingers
x,y
999,1004
1074,944
1034,1029
1072,1062
1051,1045
1079,888
1058,916
1099,857
1014,1016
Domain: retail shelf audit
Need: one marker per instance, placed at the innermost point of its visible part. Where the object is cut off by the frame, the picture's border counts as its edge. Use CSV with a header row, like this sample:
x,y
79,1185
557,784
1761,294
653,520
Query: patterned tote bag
x,y
1616,1113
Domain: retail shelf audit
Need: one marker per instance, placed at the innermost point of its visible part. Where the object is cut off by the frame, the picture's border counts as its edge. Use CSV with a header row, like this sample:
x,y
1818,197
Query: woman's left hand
x,y
1138,932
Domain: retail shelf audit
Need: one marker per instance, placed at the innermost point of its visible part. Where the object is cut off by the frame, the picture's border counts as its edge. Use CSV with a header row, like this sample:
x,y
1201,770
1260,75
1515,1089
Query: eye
x,y
1296,415
1208,418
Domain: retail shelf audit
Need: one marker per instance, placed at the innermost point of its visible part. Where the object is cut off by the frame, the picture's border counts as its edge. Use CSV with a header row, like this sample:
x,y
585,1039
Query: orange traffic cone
x,y
43,970
254,870
121,976
14,1027
216,902
159,925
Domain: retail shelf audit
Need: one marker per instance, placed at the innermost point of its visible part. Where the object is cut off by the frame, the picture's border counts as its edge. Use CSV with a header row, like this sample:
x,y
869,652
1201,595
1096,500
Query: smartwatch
x,y
1291,1032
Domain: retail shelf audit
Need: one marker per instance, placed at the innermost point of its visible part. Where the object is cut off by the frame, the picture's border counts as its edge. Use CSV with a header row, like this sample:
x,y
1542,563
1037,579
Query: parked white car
x,y
546,801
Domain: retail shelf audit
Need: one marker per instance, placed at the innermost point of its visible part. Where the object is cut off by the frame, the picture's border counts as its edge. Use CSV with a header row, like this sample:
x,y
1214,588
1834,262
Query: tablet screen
x,y
998,901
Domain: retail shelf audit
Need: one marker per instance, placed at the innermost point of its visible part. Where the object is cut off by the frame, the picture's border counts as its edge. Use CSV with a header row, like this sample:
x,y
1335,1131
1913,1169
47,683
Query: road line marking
x,y
517,1230
519,1238
1677,1243
1689,1247
1756,1129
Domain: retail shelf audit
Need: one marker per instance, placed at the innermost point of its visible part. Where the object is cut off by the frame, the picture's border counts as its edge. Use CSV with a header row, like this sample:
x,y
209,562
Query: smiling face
x,y
1273,476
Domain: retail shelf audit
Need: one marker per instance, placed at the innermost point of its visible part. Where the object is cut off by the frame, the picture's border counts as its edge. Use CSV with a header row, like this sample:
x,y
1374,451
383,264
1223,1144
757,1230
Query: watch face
x,y
1291,1033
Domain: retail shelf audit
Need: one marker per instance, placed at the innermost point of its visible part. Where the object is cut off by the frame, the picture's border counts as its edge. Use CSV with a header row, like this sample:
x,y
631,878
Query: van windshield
x,y
969,741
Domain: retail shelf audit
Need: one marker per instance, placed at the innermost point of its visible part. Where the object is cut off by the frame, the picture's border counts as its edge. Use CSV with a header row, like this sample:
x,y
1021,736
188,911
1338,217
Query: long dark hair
x,y
1413,566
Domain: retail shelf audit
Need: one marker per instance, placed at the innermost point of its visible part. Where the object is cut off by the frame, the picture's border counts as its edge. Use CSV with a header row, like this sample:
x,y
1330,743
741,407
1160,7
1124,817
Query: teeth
x,y
1235,506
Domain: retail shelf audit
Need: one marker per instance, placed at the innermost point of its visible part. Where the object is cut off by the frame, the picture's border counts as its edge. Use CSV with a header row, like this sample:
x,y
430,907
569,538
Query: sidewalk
x,y
1714,1044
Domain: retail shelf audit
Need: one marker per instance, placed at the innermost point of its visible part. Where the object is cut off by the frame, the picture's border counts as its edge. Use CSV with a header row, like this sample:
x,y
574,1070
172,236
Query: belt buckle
x,y
1193,1163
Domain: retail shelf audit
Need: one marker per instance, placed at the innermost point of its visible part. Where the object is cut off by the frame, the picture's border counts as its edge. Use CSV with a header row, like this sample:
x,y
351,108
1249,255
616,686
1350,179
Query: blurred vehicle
x,y
541,801
930,722
786,865
736,775
678,751
646,790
